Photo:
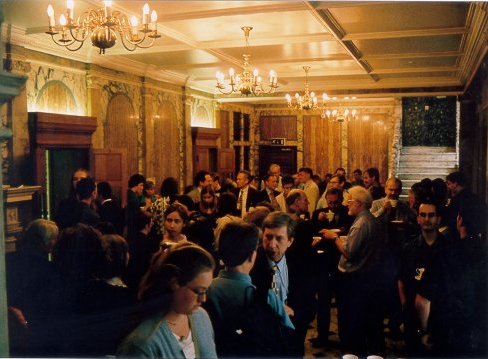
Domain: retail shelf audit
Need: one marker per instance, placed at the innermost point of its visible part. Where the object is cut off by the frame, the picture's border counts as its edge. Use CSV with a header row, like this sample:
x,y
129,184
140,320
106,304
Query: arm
x,y
401,292
422,306
333,236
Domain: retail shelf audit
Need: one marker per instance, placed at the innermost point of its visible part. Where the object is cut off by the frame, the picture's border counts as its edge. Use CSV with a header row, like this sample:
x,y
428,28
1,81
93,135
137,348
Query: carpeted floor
x,y
394,349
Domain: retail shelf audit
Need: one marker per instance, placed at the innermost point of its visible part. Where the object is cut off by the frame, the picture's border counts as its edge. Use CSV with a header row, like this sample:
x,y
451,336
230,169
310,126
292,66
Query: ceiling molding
x,y
326,18
414,55
268,7
404,33
474,43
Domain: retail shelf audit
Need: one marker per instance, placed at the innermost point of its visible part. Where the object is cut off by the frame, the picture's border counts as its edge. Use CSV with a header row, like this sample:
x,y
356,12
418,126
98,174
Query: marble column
x,y
10,87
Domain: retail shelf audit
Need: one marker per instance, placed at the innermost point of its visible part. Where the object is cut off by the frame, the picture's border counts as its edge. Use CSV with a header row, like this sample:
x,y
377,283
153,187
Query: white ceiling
x,y
369,49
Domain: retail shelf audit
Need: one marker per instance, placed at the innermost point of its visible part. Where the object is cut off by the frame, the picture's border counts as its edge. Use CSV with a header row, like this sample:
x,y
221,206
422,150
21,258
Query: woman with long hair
x,y
175,325
208,201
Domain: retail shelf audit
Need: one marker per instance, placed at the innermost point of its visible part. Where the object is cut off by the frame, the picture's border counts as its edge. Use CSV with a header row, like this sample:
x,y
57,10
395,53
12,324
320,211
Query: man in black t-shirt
x,y
416,261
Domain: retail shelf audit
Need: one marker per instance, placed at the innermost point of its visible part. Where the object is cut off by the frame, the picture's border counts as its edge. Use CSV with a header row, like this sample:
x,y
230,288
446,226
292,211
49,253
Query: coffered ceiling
x,y
368,49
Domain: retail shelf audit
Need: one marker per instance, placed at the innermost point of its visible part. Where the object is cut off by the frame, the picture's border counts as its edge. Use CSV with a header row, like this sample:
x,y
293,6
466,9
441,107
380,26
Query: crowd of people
x,y
241,269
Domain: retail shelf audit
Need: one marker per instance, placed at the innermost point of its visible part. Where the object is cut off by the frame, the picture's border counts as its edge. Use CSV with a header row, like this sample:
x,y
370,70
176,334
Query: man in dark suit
x,y
245,194
277,267
86,191
269,192
334,216
109,209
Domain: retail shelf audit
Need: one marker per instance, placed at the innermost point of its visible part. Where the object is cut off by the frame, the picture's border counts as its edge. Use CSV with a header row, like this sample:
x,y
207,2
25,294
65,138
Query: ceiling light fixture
x,y
306,102
247,83
338,112
103,24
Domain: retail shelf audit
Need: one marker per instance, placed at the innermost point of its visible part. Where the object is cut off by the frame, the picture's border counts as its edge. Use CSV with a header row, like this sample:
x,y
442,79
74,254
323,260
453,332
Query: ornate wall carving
x,y
40,77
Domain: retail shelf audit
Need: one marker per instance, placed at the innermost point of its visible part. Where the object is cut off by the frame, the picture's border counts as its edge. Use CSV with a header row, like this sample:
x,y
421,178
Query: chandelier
x,y
248,82
102,25
306,102
339,112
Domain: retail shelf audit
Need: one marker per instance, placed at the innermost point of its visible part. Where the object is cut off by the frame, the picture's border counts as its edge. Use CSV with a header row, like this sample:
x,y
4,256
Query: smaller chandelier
x,y
338,113
248,82
103,24
306,102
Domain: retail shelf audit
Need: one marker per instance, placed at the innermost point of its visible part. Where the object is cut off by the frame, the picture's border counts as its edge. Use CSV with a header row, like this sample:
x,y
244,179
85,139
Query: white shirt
x,y
312,191
243,192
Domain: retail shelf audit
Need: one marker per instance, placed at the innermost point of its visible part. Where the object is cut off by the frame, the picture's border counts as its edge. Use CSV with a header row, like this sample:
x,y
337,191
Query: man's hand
x,y
426,342
322,216
289,311
328,234
387,206
316,240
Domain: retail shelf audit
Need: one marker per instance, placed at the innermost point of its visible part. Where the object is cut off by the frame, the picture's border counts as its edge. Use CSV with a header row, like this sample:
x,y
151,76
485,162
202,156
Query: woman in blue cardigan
x,y
172,291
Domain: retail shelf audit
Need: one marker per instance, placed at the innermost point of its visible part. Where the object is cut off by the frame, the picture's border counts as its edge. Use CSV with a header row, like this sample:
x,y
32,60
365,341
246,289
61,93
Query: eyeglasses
x,y
428,215
198,293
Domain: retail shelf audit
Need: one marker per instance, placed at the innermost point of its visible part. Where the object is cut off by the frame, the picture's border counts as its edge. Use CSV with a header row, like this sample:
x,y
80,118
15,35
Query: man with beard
x,y
416,260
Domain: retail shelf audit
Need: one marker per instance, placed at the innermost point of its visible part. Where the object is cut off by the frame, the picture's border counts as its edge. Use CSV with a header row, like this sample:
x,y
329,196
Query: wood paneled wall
x,y
322,144
278,127
368,144
166,143
121,129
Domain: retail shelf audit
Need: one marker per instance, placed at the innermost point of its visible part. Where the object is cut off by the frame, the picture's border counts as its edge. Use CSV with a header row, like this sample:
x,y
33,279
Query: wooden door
x,y
285,156
110,165
226,162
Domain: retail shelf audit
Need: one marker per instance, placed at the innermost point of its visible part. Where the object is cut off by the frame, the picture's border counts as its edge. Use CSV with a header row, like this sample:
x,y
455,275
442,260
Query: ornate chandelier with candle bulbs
x,y
248,82
334,110
308,101
102,25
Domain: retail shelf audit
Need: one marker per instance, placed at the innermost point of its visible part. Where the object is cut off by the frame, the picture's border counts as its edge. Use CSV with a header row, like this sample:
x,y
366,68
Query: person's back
x,y
244,325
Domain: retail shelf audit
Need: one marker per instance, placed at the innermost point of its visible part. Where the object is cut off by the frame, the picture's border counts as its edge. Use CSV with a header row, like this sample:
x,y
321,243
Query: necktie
x,y
274,282
239,200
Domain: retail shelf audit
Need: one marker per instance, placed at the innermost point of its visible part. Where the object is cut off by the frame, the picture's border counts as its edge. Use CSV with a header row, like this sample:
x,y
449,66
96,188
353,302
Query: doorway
x,y
60,164
285,156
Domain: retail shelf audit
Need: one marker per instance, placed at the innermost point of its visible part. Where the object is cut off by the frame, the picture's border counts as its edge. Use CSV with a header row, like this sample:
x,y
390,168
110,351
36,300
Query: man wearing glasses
x,y
417,260
360,316
338,182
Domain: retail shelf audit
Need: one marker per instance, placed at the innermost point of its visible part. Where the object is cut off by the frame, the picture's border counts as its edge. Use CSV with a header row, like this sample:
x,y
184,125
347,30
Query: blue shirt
x,y
227,293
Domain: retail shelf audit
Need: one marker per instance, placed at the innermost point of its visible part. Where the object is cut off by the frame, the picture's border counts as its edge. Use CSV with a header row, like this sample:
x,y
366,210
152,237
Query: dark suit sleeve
x,y
252,197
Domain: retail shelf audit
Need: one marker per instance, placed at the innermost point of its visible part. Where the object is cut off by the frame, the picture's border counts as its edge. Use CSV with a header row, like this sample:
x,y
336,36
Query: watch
x,y
421,332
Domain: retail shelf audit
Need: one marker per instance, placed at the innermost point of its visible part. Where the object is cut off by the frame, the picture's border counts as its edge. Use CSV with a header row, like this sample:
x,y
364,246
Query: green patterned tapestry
x,y
429,121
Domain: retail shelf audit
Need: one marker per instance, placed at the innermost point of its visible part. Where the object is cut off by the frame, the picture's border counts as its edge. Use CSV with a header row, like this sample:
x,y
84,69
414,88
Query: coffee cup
x,y
393,202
